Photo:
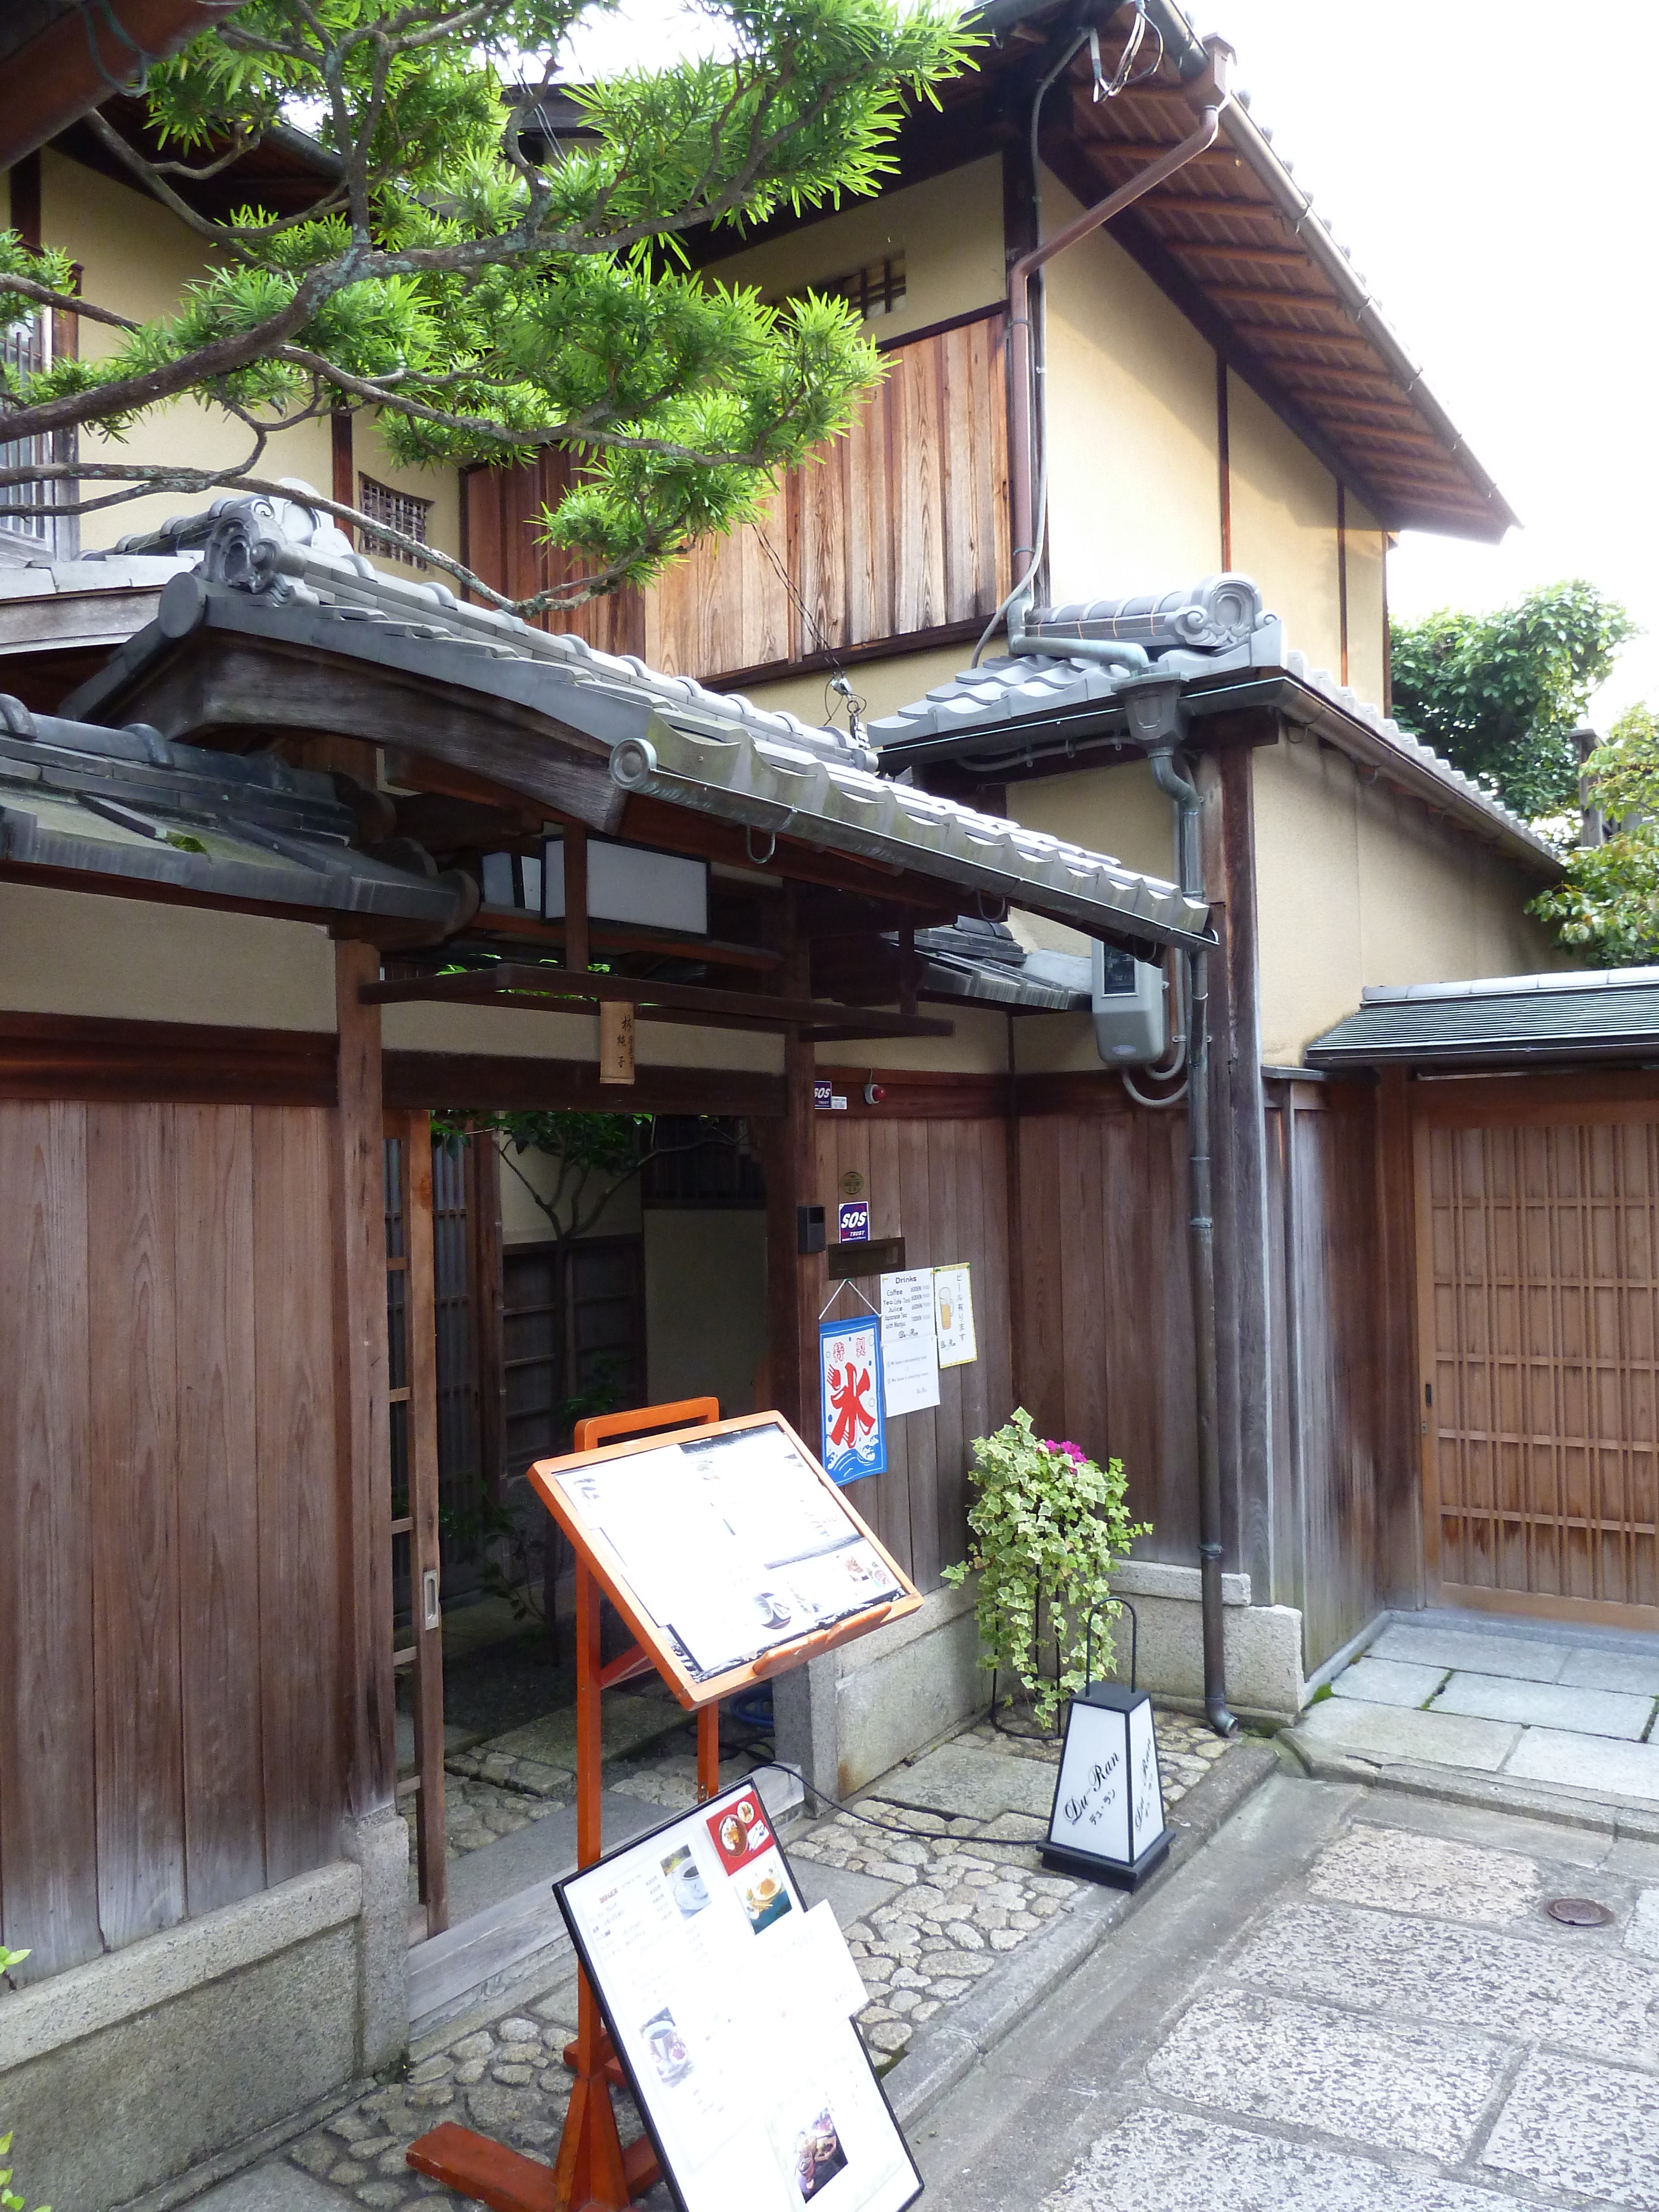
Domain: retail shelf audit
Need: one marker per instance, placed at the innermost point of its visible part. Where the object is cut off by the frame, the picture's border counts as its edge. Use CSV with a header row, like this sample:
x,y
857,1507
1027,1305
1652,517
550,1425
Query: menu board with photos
x,y
730,1539
730,2004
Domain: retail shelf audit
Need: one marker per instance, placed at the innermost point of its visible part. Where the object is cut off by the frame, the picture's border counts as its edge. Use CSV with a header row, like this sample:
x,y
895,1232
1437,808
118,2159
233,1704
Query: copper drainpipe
x,y
1020,441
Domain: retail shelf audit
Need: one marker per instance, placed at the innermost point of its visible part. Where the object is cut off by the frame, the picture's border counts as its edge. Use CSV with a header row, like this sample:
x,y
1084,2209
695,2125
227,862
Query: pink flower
x,y
1075,1453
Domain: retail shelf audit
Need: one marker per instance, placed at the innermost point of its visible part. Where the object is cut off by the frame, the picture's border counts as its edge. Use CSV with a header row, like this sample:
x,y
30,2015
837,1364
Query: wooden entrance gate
x,y
1538,1309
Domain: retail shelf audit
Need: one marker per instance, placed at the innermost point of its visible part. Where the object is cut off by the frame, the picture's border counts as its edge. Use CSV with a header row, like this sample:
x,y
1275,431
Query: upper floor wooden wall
x,y
896,530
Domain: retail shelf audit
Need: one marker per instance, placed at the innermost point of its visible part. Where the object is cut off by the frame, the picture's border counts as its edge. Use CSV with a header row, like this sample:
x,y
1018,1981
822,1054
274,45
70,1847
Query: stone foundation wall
x,y
849,1716
120,2075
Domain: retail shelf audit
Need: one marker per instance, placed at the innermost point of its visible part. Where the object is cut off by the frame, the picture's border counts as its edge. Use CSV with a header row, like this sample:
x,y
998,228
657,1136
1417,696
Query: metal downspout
x,y
1201,1238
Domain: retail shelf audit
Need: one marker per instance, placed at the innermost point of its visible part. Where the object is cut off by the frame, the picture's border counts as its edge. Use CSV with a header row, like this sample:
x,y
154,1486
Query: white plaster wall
x,y
1284,515
1355,884
949,230
1135,496
75,952
705,1304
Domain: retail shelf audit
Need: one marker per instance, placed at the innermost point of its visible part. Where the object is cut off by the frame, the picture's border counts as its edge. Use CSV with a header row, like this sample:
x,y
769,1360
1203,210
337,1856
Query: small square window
x,y
876,289
398,510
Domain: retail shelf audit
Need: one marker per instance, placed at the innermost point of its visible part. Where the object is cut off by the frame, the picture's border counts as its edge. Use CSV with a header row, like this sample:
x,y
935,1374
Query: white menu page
x,y
731,1544
731,2005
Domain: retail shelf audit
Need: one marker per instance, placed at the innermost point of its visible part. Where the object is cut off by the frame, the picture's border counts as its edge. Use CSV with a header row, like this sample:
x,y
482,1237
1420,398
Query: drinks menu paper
x,y
730,1539
910,1342
730,2005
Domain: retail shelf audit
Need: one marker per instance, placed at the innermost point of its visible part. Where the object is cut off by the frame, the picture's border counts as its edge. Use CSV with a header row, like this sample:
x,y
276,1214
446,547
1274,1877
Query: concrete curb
x,y
1492,1793
938,2060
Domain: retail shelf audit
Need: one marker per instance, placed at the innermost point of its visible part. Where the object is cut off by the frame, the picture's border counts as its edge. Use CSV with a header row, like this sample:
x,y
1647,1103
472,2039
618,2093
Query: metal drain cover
x,y
1579,1912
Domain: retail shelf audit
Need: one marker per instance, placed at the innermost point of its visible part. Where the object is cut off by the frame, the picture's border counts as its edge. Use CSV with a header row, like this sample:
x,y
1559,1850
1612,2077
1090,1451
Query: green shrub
x,y
9,2200
1048,1525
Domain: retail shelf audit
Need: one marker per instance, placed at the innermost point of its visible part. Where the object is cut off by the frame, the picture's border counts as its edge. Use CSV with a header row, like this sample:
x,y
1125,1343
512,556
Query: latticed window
x,y
398,510
25,349
876,289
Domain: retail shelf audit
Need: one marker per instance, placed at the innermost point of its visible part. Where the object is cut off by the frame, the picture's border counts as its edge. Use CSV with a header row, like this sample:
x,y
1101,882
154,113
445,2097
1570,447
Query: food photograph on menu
x,y
731,2005
732,1543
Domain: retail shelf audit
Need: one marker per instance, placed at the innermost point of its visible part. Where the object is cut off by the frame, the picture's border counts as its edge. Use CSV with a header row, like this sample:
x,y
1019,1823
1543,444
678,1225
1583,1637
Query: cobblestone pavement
x,y
962,1904
955,1910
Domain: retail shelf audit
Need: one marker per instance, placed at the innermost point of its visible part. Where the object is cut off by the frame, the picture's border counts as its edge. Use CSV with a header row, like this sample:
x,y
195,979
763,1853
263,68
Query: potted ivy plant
x,y
1048,1526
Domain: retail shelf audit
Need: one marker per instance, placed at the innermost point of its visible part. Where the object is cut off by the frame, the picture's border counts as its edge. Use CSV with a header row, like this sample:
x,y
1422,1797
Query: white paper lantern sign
x,y
1107,1818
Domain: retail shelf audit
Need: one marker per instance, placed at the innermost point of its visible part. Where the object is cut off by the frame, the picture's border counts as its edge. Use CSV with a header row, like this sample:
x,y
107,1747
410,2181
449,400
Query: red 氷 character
x,y
850,1386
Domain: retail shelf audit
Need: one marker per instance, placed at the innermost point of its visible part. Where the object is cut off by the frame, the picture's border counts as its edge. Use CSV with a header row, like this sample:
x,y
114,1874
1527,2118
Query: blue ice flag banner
x,y
854,1427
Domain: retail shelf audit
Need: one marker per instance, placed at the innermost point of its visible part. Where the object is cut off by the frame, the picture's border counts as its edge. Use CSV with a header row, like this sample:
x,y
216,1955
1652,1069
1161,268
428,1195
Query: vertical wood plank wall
x,y
1107,1336
171,1686
896,528
1332,1517
943,1185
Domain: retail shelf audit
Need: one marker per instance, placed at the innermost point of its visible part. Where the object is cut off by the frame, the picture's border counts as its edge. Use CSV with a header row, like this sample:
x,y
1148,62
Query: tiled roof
x,y
126,804
1568,1015
668,738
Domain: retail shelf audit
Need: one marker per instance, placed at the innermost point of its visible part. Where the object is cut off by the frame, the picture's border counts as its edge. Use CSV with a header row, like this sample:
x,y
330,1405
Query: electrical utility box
x,y
1131,1008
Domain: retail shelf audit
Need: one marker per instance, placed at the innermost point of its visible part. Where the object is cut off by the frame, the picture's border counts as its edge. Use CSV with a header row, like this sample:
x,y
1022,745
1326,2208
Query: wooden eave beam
x,y
694,1002
610,937
1268,295
1192,249
1172,201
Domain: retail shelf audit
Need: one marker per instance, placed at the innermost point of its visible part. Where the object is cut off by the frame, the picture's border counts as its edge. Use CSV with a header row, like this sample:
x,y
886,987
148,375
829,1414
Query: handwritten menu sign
x,y
730,2004
953,1314
730,1541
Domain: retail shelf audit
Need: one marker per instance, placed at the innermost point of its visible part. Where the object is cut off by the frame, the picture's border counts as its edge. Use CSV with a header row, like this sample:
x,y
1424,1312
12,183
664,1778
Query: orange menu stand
x,y
596,2172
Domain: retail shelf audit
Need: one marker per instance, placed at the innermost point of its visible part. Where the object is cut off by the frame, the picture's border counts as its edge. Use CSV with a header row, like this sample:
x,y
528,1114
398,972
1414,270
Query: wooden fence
x,y
898,530
171,1691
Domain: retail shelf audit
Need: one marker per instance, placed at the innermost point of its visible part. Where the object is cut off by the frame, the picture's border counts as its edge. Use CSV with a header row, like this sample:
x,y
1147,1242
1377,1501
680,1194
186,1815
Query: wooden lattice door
x,y
1538,1263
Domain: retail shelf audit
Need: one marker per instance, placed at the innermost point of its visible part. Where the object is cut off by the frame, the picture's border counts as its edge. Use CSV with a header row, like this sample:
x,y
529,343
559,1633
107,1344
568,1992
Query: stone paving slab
x,y
1585,1762
1642,1935
1388,1682
1596,1670
1473,1648
851,1895
1155,2161
1580,1996
974,1785
1546,1704
275,2187
1383,1732
1390,2084
1398,1871
1590,2129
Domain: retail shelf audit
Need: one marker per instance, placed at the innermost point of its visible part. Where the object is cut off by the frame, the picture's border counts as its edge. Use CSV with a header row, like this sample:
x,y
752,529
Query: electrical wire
x,y
916,1835
1104,89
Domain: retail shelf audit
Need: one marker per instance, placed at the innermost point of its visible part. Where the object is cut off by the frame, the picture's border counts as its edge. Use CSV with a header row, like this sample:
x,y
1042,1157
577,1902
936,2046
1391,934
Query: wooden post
x,y
1401,1534
364,1432
426,1592
575,896
787,1148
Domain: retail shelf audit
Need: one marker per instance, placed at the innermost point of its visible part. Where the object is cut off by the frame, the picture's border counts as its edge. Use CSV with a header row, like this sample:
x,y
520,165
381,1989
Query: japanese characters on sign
x,y
855,1425
730,2004
953,1309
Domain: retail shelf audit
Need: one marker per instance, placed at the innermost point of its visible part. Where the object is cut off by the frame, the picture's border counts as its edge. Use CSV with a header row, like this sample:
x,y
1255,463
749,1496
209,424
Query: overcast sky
x,y
1482,160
